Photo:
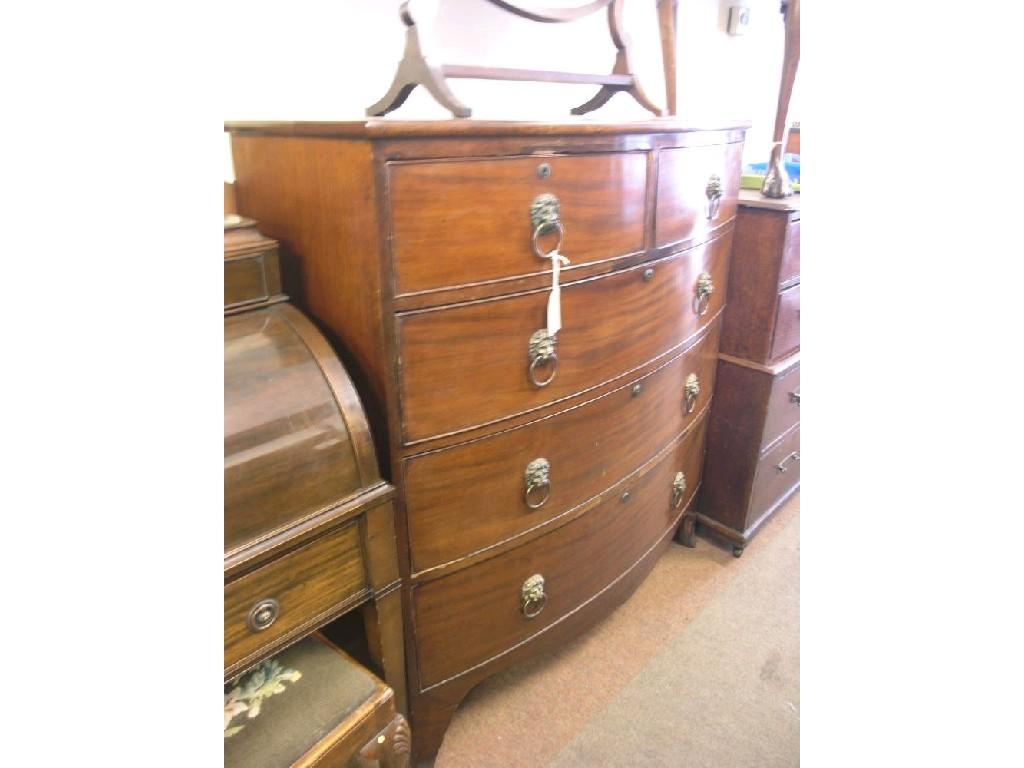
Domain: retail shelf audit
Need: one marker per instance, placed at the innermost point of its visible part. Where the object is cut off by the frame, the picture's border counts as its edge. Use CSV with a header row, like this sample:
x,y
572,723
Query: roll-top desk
x,y
309,532
539,475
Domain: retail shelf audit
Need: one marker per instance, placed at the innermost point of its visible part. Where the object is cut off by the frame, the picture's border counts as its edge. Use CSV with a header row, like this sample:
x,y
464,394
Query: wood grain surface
x,y
483,481
467,365
287,450
307,584
682,203
468,617
468,221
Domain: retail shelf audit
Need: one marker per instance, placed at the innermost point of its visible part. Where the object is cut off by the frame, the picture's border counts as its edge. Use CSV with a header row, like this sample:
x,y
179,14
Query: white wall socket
x,y
739,19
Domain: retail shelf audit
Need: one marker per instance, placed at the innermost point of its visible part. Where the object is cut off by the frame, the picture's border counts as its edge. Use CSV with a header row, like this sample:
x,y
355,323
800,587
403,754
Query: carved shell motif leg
x,y
390,749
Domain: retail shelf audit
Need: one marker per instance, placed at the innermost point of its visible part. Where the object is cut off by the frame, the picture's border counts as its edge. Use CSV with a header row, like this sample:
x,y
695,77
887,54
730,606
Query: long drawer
x,y
289,594
459,222
778,472
697,191
464,619
573,455
470,365
783,409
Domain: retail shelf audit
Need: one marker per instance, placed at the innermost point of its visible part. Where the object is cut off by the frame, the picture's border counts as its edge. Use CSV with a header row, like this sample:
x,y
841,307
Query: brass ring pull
x,y
544,218
714,194
542,352
263,614
691,391
794,396
781,466
540,231
705,287
533,597
678,489
537,477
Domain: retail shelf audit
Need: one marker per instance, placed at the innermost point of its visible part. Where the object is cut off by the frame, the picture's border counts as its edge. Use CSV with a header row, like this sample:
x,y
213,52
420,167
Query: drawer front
x,y
686,210
251,278
468,617
789,269
783,405
468,221
461,500
778,472
305,584
469,365
787,324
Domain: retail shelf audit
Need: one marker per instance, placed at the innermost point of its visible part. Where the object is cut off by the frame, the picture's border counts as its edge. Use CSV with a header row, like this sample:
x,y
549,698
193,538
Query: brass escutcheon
x,y
678,489
541,351
691,391
537,476
533,597
705,287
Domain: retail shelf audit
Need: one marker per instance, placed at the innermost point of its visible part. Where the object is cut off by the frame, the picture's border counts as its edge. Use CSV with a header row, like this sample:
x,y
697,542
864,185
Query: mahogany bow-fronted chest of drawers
x,y
753,457
538,474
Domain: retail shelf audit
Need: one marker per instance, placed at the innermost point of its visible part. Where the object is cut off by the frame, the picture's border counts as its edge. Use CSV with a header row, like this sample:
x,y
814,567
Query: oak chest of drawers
x,y
753,457
539,475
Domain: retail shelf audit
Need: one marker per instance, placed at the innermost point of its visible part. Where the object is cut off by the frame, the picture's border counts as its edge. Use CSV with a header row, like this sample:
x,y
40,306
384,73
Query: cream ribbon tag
x,y
555,299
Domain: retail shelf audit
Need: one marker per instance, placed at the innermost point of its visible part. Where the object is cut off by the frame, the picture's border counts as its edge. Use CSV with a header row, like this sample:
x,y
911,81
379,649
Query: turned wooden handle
x,y
791,12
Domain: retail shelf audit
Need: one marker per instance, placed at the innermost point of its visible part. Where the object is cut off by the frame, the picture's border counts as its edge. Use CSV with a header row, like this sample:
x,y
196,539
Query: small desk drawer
x,y
470,365
459,222
291,593
469,617
783,409
486,480
697,191
787,324
778,472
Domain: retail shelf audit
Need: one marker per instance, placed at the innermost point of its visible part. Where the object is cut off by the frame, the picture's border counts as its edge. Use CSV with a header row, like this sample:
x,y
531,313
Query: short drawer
x,y
515,480
787,324
789,266
778,472
251,278
459,222
783,405
291,593
464,619
470,365
697,191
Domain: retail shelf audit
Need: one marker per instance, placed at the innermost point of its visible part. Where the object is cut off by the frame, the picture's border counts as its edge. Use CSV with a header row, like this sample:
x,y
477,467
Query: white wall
x,y
330,59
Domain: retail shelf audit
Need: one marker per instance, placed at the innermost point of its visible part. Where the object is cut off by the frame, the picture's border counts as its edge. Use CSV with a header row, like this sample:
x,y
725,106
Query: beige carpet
x,y
699,668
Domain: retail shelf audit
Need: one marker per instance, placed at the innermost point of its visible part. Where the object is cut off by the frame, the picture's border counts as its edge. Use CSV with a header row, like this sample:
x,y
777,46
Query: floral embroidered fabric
x,y
253,687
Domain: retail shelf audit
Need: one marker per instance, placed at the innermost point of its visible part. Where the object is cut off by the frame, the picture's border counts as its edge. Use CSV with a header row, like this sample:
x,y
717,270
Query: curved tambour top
x,y
296,441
